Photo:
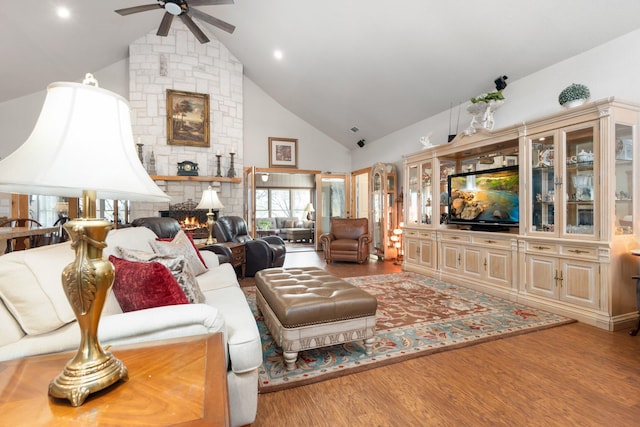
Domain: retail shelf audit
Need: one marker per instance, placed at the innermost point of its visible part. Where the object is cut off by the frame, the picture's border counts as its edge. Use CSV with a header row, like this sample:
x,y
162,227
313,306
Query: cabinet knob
x,y
541,248
578,251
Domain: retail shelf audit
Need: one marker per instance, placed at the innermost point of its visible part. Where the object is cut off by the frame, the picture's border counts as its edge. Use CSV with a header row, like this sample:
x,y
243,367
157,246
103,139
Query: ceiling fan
x,y
182,9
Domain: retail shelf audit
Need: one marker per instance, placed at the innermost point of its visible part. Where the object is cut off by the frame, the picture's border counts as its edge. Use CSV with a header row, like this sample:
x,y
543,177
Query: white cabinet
x,y
578,213
563,273
420,249
484,259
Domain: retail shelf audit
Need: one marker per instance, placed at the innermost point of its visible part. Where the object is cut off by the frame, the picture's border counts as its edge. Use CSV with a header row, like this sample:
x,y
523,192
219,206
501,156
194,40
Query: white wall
x,y
612,69
264,118
18,116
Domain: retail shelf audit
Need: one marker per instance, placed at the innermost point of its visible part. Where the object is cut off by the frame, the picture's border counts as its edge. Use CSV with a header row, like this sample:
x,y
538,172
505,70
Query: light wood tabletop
x,y
174,382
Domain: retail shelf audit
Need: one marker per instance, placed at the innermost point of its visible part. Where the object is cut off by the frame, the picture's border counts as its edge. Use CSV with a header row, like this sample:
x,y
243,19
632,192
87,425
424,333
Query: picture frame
x,y
187,118
283,153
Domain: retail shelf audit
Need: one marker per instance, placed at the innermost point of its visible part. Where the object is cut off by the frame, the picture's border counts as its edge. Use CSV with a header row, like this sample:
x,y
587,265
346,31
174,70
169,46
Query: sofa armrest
x,y
273,240
223,252
326,238
160,323
151,324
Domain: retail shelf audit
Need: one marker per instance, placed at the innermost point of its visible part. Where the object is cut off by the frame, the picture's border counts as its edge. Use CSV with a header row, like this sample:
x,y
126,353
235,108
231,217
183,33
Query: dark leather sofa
x,y
166,227
261,253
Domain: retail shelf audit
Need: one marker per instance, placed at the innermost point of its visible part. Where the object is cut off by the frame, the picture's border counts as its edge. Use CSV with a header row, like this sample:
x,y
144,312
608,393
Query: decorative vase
x,y
574,103
573,95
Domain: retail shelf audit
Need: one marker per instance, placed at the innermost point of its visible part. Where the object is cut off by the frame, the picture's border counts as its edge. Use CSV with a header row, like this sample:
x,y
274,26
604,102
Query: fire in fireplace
x,y
192,220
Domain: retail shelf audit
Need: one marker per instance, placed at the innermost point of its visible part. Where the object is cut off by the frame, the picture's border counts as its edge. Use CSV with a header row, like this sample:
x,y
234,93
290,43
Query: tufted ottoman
x,y
306,308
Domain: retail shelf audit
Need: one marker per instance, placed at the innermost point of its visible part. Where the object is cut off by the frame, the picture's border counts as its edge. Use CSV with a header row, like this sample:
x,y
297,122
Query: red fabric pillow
x,y
170,239
140,285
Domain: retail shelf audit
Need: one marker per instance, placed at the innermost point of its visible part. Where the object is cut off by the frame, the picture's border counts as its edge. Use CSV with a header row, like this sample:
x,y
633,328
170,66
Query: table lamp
x,y
308,209
82,146
210,201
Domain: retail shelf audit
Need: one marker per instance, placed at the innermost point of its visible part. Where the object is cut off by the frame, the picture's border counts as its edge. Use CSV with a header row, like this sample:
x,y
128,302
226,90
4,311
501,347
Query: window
x,y
281,202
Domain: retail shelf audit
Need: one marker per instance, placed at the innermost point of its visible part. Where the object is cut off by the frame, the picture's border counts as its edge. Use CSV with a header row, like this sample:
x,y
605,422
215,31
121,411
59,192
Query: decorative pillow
x,y
169,239
31,288
290,223
177,265
180,245
140,285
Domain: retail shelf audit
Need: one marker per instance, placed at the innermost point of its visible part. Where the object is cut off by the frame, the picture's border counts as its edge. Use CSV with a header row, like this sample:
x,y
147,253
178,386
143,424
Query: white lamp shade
x,y
81,141
210,200
309,208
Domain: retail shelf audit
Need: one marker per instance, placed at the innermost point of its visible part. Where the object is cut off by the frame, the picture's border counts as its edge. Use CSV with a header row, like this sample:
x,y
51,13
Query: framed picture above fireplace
x,y
283,153
187,118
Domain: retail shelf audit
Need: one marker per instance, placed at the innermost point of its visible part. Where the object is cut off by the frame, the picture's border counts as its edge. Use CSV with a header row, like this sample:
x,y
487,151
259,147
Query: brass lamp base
x,y
75,383
86,283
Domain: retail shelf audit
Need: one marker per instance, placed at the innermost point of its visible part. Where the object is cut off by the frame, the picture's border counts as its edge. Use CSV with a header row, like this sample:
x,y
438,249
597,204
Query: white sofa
x,y
36,318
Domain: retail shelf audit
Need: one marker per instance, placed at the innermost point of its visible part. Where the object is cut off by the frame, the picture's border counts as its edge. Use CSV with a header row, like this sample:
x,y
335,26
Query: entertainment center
x,y
543,213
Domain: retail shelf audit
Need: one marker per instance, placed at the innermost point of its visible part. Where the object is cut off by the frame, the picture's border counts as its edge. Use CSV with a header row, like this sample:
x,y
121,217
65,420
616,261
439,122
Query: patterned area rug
x,y
416,316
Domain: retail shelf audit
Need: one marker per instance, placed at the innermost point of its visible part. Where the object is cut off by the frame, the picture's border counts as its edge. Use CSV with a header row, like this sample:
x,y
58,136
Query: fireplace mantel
x,y
195,178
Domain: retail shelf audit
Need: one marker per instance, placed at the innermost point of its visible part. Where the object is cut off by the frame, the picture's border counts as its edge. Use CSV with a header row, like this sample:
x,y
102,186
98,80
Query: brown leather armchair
x,y
347,240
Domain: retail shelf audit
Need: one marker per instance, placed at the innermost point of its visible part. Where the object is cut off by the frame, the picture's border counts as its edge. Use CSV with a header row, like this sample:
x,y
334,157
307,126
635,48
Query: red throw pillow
x,y
140,285
170,239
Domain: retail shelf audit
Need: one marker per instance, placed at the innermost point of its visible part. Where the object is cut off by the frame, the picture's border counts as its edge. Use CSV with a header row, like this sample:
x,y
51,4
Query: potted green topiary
x,y
573,95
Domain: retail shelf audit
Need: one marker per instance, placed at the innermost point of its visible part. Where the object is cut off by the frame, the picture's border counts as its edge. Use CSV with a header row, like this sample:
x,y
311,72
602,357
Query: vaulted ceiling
x,y
378,65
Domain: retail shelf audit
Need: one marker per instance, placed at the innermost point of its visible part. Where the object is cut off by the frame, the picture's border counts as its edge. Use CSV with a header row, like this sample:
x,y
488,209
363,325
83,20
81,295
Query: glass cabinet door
x,y
426,191
624,179
580,181
413,195
447,167
543,180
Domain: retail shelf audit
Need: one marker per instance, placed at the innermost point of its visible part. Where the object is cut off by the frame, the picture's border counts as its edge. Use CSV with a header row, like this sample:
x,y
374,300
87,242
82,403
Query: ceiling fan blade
x,y
202,38
163,29
208,2
137,9
213,21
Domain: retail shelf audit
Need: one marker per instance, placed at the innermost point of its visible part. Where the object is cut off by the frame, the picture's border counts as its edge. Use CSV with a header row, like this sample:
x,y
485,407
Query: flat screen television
x,y
485,199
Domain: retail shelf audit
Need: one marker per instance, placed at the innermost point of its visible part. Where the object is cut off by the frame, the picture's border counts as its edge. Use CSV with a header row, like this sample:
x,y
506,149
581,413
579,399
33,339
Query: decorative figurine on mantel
x,y
152,164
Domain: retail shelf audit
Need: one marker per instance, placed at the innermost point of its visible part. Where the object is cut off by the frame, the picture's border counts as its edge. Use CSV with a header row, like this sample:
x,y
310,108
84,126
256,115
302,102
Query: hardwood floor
x,y
573,375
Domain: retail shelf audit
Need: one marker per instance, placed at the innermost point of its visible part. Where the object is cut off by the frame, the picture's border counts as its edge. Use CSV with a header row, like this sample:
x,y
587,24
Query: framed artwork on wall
x,y
187,118
283,153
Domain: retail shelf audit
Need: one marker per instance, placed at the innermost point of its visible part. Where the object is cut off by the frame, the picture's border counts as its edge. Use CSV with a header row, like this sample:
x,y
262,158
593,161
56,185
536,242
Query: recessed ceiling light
x,y
63,12
278,54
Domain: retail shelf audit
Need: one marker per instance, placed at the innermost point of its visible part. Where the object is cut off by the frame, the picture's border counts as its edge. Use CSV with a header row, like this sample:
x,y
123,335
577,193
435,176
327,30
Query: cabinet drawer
x,y
579,251
456,238
503,243
546,248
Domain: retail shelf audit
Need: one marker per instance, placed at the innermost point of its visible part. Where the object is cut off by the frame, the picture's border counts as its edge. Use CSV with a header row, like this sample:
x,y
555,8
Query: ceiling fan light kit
x,y
182,9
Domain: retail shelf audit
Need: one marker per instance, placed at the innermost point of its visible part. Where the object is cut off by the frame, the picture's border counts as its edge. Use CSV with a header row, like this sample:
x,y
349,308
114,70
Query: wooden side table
x,y
181,381
239,255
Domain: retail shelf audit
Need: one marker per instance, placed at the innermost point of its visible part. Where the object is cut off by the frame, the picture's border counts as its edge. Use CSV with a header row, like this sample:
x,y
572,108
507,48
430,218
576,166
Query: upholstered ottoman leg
x,y
290,358
368,345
